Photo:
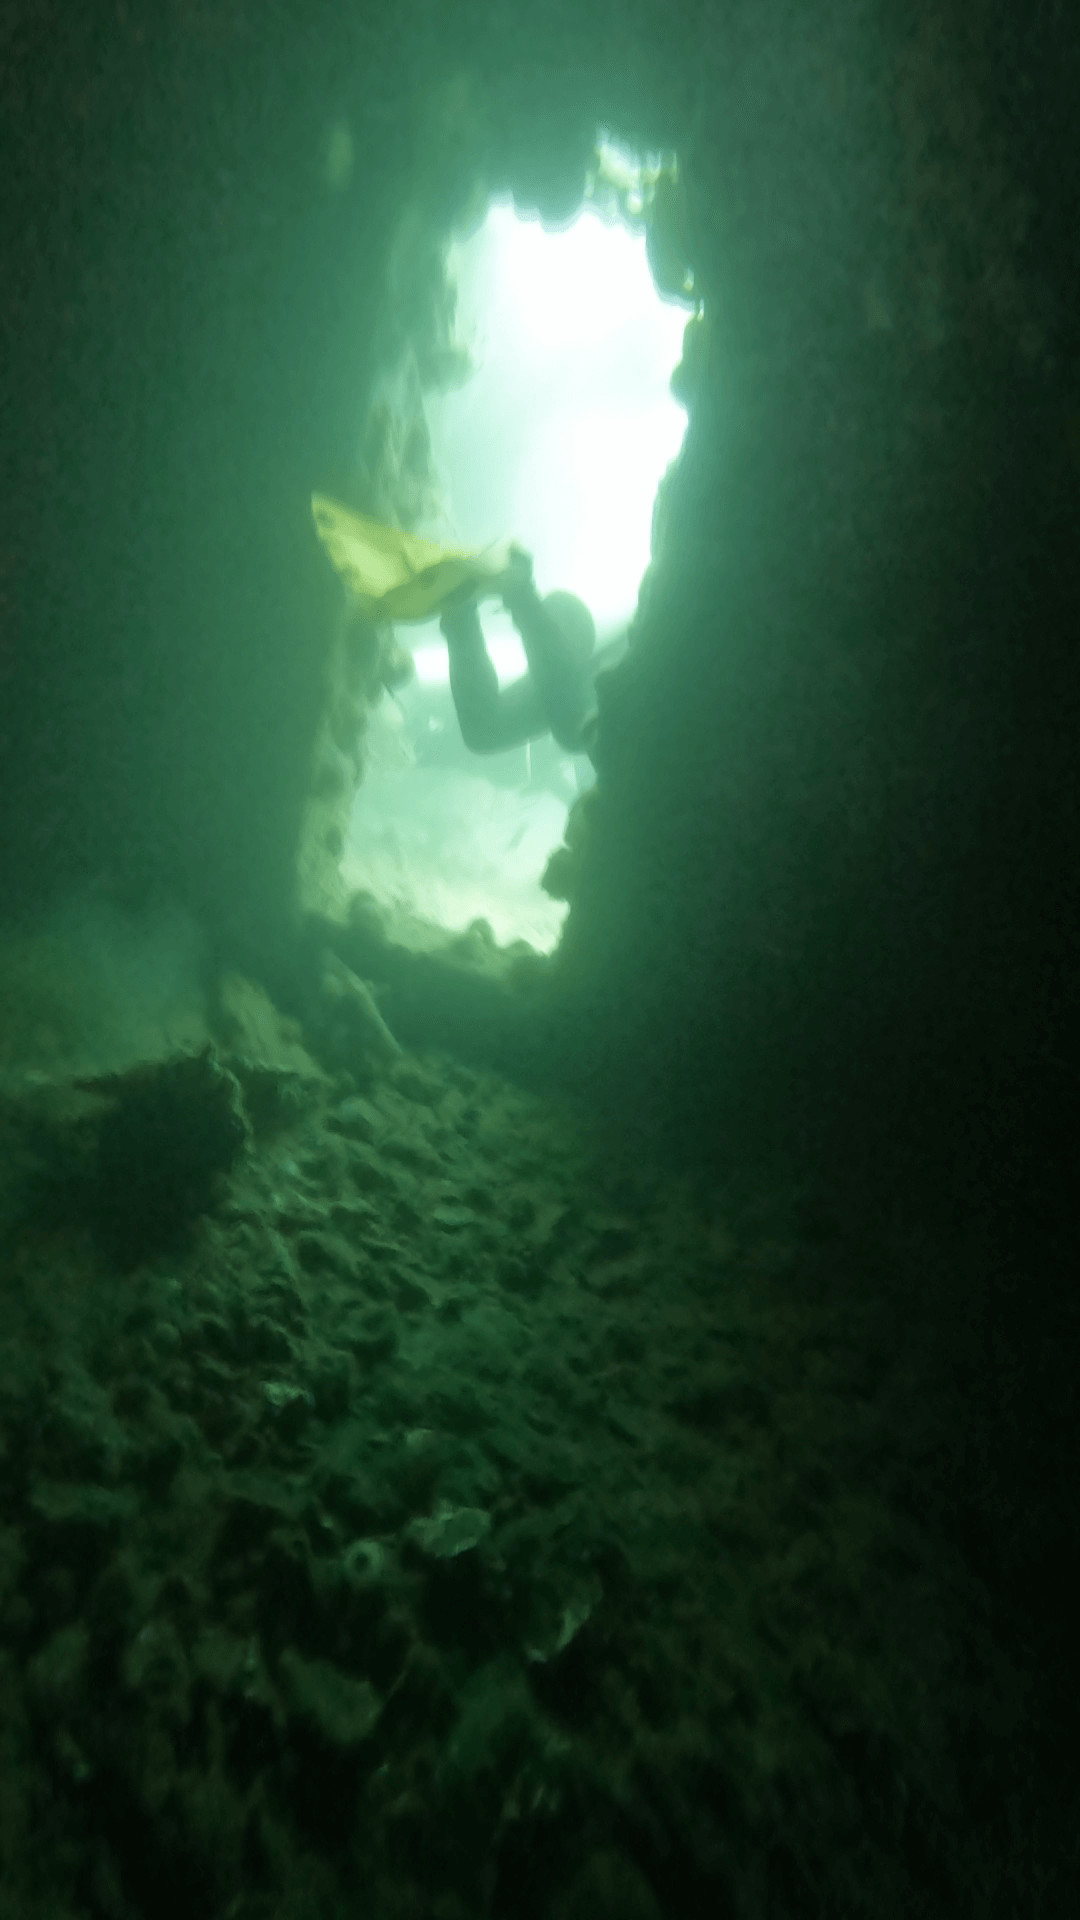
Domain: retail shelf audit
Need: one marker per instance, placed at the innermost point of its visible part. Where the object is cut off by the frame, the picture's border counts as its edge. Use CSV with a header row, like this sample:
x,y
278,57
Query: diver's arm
x,y
561,688
492,718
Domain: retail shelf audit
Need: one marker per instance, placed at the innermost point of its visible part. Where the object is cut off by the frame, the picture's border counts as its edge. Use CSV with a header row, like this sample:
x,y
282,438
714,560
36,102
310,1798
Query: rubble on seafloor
x,y
451,1515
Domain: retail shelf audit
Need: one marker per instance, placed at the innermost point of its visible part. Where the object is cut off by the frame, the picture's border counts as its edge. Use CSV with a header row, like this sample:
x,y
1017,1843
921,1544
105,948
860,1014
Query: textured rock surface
x,y
600,1555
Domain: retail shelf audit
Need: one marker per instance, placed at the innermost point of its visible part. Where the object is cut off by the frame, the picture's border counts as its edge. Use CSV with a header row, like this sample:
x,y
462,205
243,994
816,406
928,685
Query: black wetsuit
x,y
556,696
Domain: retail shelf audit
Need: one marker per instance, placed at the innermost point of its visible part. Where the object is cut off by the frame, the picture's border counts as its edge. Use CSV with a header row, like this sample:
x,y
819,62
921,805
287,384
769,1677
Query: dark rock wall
x,y
839,766
186,322
833,877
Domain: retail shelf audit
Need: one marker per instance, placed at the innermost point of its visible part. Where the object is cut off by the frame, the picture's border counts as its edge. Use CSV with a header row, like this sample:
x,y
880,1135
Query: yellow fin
x,y
397,575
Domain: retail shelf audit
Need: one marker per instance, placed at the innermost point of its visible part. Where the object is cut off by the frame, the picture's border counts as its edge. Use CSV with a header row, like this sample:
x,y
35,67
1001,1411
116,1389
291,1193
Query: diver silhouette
x,y
555,696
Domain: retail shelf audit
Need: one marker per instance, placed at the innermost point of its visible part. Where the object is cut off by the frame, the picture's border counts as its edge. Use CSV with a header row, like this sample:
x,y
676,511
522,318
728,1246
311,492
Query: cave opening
x,y
555,427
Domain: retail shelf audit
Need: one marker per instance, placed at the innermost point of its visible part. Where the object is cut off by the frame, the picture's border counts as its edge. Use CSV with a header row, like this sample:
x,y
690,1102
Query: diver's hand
x,y
517,579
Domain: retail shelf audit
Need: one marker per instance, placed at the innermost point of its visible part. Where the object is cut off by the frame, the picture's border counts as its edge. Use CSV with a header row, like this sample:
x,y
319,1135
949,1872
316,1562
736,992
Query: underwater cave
x,y
537,1327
